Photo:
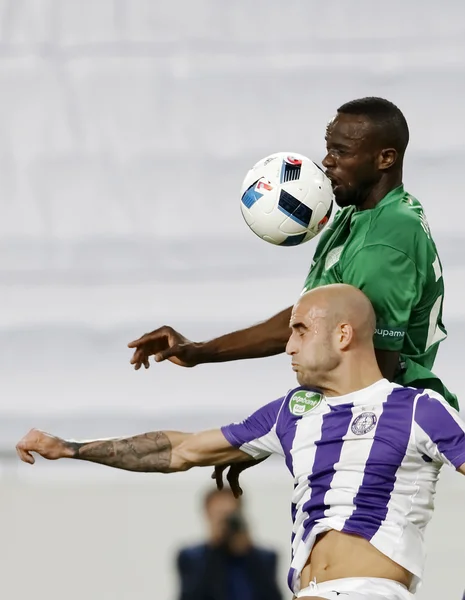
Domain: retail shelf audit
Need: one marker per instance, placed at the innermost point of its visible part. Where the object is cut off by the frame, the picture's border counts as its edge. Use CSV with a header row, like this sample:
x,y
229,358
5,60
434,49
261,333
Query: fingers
x,y
24,453
217,475
232,477
158,336
148,344
138,359
233,480
25,456
166,354
142,340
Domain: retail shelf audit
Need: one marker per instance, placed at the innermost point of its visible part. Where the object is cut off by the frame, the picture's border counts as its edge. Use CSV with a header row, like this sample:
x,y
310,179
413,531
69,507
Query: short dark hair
x,y
215,493
386,116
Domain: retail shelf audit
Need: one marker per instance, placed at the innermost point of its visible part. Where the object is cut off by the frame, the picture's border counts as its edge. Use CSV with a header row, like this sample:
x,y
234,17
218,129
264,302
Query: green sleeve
x,y
390,280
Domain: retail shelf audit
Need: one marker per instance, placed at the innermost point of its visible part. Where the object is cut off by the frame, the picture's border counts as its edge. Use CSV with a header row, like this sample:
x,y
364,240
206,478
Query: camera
x,y
235,523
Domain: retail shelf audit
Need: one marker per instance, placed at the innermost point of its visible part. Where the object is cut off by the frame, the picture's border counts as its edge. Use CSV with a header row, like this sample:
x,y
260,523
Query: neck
x,y
352,376
381,189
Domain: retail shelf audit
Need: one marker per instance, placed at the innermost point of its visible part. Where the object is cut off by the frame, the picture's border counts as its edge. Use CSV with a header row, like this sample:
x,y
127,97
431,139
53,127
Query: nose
x,y
328,161
290,346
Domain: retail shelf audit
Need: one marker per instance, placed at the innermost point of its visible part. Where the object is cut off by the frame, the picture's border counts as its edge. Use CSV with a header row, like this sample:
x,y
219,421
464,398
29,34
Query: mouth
x,y
294,366
335,183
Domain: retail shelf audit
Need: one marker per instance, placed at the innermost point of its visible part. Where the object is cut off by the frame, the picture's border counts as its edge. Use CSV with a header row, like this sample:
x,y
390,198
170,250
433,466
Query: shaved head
x,y
332,337
341,303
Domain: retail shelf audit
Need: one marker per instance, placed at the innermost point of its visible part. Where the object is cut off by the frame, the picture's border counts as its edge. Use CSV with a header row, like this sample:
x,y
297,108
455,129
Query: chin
x,y
304,381
342,199
311,381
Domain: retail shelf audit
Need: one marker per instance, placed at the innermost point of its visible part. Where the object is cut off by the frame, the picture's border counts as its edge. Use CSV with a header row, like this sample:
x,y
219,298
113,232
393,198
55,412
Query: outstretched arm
x,y
264,339
154,452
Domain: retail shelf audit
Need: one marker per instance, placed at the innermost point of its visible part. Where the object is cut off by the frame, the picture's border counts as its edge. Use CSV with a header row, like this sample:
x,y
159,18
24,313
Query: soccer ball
x,y
286,199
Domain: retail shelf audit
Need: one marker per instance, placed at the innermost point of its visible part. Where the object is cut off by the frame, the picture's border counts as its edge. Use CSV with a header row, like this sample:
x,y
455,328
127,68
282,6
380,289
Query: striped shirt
x,y
365,463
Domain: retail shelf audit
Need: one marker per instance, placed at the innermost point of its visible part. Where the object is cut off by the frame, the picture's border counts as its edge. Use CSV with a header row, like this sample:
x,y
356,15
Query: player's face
x,y
351,158
311,345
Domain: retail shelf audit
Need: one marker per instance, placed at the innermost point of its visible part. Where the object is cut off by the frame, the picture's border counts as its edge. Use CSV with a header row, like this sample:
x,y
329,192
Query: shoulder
x,y
431,401
297,403
191,553
401,224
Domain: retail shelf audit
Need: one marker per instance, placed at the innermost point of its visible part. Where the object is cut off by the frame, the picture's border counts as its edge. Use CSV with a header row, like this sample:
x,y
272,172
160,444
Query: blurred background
x,y
126,127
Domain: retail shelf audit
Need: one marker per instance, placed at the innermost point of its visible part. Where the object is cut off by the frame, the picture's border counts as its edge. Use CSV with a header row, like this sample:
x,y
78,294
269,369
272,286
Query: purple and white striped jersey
x,y
365,463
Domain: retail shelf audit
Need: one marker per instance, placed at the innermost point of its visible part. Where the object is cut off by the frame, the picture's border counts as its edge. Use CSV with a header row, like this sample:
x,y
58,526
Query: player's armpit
x,y
388,362
207,448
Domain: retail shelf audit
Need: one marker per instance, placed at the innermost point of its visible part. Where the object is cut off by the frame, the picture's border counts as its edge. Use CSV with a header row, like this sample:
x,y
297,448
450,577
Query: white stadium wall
x,y
126,127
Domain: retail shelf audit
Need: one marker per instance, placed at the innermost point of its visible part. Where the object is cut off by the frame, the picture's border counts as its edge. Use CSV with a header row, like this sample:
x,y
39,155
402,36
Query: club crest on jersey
x,y
364,423
302,402
333,257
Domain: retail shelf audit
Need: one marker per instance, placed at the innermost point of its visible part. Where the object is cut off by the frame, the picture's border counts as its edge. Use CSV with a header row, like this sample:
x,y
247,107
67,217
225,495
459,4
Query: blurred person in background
x,y
227,566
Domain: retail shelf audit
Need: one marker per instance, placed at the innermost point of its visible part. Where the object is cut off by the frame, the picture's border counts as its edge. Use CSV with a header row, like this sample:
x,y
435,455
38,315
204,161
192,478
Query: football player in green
x,y
379,241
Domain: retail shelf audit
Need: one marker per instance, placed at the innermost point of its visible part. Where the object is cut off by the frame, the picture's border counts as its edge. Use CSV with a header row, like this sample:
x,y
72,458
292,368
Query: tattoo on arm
x,y
148,452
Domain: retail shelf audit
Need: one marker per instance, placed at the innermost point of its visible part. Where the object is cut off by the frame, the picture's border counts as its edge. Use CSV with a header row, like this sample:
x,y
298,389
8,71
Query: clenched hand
x,y
44,444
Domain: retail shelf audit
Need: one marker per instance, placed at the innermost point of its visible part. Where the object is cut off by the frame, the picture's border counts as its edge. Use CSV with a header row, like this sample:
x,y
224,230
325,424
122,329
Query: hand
x,y
48,446
233,474
165,344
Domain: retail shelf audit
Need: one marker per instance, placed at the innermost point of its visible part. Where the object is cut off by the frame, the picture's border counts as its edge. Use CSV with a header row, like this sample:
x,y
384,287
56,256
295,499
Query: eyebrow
x,y
298,325
338,144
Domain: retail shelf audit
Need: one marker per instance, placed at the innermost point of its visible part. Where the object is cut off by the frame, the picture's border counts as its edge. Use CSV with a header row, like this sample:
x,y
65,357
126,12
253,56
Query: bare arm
x,y
461,469
154,452
264,339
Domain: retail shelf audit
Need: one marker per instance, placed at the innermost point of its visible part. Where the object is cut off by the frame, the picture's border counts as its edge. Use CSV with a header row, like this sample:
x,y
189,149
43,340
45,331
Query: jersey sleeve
x,y
256,435
390,280
439,430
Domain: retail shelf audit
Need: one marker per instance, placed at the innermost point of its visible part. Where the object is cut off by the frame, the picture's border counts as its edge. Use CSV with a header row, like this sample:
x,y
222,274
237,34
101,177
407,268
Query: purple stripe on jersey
x,y
293,516
254,427
328,452
386,455
437,422
290,578
286,428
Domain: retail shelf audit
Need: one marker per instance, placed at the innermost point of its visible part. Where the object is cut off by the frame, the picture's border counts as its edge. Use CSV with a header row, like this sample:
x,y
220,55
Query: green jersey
x,y
389,254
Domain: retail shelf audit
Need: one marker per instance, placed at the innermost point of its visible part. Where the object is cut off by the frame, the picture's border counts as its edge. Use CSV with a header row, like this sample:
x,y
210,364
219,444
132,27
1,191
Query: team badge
x,y
364,423
333,257
302,402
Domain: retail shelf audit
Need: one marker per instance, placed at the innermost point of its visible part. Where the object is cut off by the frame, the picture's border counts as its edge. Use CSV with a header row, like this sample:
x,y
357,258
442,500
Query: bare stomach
x,y
337,555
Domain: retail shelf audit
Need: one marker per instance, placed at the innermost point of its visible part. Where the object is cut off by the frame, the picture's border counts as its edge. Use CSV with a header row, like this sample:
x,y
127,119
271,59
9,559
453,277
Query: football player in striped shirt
x,y
365,454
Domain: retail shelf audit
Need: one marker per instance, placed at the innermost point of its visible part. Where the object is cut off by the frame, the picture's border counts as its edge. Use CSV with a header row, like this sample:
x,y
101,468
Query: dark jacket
x,y
209,573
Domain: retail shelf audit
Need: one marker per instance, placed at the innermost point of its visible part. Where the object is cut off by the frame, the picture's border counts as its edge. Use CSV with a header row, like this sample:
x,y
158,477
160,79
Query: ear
x,y
387,158
345,335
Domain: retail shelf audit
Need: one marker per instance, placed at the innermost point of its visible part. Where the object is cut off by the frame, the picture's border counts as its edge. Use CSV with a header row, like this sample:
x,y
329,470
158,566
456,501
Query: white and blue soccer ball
x,y
286,199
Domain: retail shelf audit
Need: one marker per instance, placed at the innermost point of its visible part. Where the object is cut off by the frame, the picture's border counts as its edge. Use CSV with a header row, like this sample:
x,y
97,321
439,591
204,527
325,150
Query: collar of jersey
x,y
393,196
360,396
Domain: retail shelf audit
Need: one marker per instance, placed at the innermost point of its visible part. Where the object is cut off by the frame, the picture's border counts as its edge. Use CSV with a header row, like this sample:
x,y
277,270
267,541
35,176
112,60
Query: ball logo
x,y
322,223
364,423
264,185
302,402
268,160
291,160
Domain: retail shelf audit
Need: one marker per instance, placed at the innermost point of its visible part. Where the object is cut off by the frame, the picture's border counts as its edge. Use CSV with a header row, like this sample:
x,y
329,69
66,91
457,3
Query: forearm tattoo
x,y
148,452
